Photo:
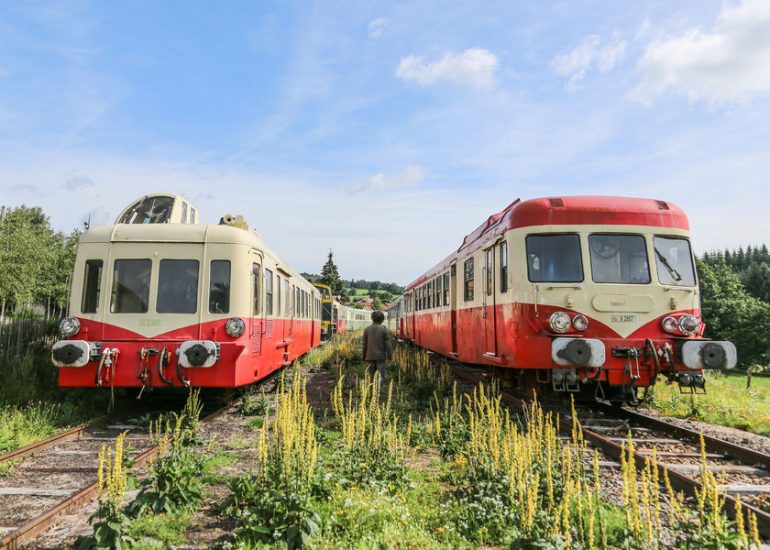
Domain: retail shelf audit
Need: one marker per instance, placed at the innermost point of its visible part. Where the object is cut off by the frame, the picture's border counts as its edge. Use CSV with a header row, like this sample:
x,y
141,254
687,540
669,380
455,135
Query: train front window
x,y
178,286
219,287
673,258
92,283
131,286
619,259
554,259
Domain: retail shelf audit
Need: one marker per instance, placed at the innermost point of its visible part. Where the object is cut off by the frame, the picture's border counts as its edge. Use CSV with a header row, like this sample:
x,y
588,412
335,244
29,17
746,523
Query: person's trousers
x,y
378,366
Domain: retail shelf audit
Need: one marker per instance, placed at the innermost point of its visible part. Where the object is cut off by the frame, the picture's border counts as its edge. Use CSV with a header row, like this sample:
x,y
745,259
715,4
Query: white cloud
x,y
410,177
729,63
376,27
576,63
473,67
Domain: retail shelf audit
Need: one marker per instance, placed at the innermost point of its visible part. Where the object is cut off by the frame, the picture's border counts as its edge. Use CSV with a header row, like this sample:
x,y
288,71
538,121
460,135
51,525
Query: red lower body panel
x,y
266,345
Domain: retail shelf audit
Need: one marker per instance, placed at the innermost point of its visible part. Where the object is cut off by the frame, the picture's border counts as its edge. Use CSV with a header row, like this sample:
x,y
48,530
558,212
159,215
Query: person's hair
x,y
378,317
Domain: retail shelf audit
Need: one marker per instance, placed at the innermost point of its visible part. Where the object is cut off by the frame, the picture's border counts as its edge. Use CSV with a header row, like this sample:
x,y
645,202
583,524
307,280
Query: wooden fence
x,y
21,336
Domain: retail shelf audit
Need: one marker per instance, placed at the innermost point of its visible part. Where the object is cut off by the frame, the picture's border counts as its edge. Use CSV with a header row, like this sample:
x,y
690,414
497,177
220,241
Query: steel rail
x,y
744,454
51,441
33,527
615,450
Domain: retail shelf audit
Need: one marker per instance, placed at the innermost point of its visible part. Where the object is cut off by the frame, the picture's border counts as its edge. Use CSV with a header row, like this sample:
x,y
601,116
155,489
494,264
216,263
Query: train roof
x,y
568,210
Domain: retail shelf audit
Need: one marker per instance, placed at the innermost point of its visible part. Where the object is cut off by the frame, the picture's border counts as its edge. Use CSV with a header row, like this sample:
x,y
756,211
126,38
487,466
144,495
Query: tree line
x,y
35,263
735,299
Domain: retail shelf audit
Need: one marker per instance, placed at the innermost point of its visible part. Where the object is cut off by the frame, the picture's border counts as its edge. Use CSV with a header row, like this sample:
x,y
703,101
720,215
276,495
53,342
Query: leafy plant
x,y
110,523
274,503
176,484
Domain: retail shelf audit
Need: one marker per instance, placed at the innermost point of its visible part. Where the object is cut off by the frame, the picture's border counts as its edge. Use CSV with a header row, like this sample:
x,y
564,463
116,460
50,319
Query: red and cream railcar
x,y
575,293
170,303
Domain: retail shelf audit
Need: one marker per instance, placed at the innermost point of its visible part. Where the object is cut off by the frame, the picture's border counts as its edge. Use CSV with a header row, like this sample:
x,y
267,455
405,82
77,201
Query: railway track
x,y
57,475
743,470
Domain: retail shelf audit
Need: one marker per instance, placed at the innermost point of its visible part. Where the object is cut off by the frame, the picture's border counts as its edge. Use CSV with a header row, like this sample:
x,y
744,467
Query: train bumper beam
x,y
74,353
580,352
707,354
200,354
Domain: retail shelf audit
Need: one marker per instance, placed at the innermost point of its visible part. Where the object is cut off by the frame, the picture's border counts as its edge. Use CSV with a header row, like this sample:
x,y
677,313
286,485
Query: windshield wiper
x,y
674,273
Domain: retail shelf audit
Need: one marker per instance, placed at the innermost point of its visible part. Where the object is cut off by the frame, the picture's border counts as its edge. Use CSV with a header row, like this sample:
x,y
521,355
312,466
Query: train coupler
x,y
565,380
691,383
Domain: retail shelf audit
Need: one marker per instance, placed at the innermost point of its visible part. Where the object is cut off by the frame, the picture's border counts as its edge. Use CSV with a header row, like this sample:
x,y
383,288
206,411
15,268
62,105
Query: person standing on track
x,y
377,346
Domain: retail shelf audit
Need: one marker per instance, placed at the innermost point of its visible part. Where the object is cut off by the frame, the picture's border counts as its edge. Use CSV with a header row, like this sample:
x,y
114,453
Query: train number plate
x,y
623,318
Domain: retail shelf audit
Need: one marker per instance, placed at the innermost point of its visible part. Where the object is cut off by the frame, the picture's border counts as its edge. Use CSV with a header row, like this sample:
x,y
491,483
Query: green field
x,y
727,402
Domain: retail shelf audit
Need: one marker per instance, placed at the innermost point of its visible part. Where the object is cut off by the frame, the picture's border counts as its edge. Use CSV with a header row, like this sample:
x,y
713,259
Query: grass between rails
x,y
727,402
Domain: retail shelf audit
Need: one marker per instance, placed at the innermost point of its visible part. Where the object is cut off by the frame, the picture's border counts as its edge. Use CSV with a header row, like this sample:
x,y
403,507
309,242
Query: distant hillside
x,y
357,292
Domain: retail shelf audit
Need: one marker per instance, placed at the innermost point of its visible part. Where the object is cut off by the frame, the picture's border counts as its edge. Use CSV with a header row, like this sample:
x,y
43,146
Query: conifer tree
x,y
330,275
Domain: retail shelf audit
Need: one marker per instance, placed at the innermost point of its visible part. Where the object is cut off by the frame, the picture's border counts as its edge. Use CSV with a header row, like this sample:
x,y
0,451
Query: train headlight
x,y
670,325
689,324
580,322
69,326
559,321
235,327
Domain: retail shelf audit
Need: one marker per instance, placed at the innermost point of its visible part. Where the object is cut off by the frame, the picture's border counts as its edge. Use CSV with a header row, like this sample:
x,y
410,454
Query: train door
x,y
255,328
453,306
488,303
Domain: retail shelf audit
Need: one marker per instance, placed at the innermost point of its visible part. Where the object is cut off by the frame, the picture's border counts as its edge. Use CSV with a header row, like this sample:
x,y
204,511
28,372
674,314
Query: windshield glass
x,y
149,210
673,259
619,259
554,259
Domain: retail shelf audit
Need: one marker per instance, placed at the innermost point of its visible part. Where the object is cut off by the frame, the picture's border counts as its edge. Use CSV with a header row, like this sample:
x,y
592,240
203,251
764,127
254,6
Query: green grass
x,y
155,531
727,402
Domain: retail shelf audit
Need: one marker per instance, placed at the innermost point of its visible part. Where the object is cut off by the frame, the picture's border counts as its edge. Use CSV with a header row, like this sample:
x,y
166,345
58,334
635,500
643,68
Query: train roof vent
x,y
662,205
556,202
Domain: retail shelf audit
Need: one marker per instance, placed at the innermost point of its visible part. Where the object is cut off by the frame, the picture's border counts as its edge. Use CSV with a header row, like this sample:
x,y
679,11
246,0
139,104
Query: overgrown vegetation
x,y
161,511
422,463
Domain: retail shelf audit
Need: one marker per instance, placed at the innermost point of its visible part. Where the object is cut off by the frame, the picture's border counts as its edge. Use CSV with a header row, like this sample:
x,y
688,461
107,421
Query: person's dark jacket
x,y
377,343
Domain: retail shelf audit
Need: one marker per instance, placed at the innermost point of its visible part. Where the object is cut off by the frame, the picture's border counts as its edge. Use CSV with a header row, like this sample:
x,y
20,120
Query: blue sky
x,y
386,131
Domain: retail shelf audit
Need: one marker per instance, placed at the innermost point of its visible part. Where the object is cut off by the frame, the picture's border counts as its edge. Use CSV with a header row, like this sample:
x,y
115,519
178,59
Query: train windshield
x,y
673,259
619,259
554,259
149,210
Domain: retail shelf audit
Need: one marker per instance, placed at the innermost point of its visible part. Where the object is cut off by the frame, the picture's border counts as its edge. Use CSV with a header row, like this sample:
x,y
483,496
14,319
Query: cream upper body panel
x,y
288,295
623,306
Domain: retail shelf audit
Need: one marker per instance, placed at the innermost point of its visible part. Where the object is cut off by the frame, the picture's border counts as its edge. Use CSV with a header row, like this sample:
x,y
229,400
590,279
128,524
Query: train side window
x,y
437,286
468,280
286,297
131,286
297,303
268,292
278,295
219,286
192,215
490,253
256,276
184,212
92,284
430,294
178,286
554,258
446,288
504,266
